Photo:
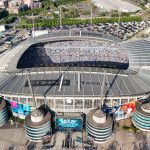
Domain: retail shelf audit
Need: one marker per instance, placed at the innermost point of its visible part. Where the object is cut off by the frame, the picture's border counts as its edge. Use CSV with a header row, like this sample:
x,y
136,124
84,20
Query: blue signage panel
x,y
68,123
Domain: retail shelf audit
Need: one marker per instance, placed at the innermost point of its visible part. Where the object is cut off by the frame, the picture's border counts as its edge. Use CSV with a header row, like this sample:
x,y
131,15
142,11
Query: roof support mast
x,y
79,82
30,86
102,88
61,82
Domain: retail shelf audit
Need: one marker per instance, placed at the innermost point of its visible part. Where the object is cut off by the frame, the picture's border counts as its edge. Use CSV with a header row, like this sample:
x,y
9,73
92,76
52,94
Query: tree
x,y
72,12
3,14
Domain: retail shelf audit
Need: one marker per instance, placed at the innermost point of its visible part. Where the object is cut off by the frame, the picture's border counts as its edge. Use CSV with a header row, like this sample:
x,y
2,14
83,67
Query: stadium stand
x,y
74,53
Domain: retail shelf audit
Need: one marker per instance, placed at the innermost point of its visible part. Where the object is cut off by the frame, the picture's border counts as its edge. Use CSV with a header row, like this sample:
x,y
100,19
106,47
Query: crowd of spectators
x,y
75,53
85,51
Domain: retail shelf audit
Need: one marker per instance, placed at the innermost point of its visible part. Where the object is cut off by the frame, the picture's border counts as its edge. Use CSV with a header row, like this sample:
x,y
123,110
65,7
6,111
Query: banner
x,y
124,110
67,123
19,110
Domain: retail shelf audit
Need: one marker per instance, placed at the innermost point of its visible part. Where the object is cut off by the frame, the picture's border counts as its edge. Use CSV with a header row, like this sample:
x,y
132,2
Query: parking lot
x,y
12,37
123,30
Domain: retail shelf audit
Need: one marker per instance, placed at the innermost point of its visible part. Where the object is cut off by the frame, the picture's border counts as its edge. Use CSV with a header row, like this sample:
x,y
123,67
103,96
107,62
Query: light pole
x,y
60,16
91,14
119,14
33,28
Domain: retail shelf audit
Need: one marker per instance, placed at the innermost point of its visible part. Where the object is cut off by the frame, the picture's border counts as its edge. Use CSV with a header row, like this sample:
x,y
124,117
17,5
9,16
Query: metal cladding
x,y
37,125
141,117
99,127
3,113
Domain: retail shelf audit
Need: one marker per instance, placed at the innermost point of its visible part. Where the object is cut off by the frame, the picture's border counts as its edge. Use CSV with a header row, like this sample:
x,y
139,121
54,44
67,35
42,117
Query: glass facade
x,y
3,116
23,100
3,113
59,103
141,121
68,103
40,102
74,104
99,134
97,103
78,103
88,103
36,134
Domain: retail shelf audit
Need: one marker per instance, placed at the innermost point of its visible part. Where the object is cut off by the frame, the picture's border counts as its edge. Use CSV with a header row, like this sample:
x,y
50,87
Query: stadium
x,y
75,71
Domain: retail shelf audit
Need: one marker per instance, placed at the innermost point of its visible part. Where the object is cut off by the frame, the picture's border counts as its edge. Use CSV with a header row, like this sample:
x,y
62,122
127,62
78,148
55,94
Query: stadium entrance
x,y
68,122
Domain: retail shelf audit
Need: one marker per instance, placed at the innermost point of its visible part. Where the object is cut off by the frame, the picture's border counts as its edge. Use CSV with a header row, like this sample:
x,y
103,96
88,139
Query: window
x,y
78,103
23,100
40,102
123,101
8,98
116,102
31,102
59,103
15,99
132,99
69,103
107,102
97,103
50,103
88,103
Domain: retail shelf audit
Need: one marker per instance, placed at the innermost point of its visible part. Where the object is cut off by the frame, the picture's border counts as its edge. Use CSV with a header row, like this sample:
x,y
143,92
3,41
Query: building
x,y
3,3
2,28
99,127
36,5
141,117
15,9
72,82
28,2
38,125
3,113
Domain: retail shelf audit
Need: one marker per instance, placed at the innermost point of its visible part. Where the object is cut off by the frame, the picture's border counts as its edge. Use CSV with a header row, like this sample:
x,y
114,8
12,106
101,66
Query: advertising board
x,y
39,32
68,123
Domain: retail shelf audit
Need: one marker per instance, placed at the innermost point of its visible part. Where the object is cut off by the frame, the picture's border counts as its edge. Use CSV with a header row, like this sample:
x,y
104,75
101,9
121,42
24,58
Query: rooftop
x,y
74,82
90,120
30,123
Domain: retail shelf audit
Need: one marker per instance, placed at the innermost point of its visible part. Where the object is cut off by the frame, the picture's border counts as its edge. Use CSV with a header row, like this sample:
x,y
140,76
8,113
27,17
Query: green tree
x,y
3,14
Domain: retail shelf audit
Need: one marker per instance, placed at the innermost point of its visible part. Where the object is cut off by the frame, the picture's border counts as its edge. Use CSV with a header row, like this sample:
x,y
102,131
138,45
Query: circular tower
x,y
99,127
3,113
37,125
141,117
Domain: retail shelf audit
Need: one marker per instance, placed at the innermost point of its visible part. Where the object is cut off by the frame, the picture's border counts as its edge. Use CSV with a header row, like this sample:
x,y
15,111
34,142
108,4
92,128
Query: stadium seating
x,y
74,53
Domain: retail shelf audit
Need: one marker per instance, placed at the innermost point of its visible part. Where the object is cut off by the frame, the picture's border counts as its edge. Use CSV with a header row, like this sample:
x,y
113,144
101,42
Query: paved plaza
x,y
13,138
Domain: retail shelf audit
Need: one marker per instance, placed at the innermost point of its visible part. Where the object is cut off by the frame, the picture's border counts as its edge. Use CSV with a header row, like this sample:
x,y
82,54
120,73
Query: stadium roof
x,y
74,83
138,52
63,81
